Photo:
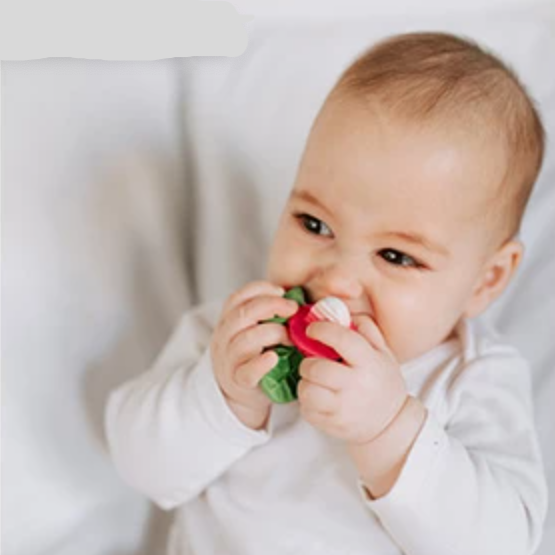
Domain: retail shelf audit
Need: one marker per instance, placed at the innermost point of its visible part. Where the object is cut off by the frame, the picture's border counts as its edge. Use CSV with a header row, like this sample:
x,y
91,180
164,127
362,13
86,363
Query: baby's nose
x,y
340,280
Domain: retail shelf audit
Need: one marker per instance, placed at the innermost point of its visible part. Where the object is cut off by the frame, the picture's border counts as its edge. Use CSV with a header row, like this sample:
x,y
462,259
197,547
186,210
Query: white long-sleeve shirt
x,y
473,483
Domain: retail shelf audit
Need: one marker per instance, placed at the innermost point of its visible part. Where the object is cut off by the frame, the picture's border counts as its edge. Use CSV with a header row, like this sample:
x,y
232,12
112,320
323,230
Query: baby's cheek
x,y
407,319
286,265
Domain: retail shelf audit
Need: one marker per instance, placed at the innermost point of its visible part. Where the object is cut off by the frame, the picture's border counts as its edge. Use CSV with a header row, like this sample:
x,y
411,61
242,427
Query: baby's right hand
x,y
238,343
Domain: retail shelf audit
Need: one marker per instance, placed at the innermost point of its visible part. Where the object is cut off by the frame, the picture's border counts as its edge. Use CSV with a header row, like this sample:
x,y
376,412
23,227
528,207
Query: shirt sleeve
x,y
475,486
170,431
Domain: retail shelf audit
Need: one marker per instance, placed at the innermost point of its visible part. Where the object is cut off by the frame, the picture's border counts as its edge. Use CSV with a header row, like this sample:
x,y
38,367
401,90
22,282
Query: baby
x,y
421,439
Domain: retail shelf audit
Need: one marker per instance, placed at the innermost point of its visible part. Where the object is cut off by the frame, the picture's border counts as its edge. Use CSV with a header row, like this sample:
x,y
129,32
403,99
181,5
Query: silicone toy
x,y
280,384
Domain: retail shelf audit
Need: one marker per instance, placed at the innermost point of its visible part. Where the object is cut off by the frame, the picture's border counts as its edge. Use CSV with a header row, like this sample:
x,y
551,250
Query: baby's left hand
x,y
357,398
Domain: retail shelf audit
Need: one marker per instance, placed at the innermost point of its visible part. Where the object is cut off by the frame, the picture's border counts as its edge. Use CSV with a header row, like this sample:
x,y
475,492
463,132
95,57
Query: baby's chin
x,y
408,352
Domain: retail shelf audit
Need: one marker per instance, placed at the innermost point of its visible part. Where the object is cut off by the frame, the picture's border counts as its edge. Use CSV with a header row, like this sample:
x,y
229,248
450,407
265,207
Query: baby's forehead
x,y
364,155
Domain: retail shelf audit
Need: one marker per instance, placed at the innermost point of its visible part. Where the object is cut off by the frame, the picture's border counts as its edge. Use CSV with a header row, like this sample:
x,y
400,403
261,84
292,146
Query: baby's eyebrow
x,y
307,196
418,239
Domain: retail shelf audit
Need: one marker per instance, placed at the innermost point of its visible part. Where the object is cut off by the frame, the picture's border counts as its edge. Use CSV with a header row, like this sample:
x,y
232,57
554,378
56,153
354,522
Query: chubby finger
x,y
252,341
370,330
315,418
249,291
316,398
254,311
325,373
349,344
248,375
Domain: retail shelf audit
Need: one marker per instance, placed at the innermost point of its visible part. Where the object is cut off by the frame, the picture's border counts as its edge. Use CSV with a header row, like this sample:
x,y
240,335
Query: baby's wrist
x,y
403,427
256,419
379,462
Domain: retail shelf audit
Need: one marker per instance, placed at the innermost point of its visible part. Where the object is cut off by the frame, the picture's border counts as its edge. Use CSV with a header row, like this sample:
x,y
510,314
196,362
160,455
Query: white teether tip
x,y
333,310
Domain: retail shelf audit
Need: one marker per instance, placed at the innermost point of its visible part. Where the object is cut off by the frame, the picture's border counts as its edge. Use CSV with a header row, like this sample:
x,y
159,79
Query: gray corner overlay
x,y
120,29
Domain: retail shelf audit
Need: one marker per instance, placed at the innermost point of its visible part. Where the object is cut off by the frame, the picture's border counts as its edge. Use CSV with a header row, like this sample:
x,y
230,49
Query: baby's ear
x,y
495,276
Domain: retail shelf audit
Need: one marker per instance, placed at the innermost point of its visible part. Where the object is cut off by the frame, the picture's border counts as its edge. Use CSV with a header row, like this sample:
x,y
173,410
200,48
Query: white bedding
x,y
132,190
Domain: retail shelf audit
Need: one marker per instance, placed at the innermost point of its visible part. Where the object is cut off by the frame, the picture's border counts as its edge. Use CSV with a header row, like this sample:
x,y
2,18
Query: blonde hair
x,y
431,76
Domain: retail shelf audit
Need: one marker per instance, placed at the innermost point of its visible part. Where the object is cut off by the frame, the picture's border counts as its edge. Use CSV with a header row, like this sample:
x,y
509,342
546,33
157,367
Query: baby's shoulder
x,y
481,341
488,368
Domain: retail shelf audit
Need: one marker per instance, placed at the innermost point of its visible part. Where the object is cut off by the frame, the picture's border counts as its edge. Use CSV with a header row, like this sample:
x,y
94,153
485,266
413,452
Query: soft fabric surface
x,y
93,279
132,190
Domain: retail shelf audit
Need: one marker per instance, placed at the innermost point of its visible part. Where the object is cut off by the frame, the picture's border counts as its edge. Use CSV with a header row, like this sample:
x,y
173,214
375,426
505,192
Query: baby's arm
x,y
475,487
170,431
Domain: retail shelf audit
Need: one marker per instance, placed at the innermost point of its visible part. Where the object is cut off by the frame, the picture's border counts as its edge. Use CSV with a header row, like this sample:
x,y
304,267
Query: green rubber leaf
x,y
276,320
296,294
280,383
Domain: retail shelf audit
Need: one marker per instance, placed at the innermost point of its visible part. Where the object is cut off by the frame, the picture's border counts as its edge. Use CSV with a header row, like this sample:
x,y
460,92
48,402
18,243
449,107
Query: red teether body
x,y
297,325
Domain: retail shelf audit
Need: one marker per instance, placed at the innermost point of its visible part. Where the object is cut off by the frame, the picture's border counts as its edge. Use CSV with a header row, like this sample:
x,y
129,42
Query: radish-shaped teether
x,y
280,384
332,309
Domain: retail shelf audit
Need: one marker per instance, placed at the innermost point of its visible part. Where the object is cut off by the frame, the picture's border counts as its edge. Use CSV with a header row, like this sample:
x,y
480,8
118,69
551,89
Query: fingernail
x,y
280,291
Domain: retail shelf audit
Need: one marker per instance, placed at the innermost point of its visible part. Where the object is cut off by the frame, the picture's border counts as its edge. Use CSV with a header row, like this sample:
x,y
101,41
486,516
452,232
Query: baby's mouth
x,y
309,296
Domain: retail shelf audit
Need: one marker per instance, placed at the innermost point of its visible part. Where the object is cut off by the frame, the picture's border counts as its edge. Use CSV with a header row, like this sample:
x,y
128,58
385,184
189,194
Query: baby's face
x,y
391,218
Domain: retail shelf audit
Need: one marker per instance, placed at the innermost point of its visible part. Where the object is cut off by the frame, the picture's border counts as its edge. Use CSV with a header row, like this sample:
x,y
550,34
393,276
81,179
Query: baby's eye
x,y
398,258
313,225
